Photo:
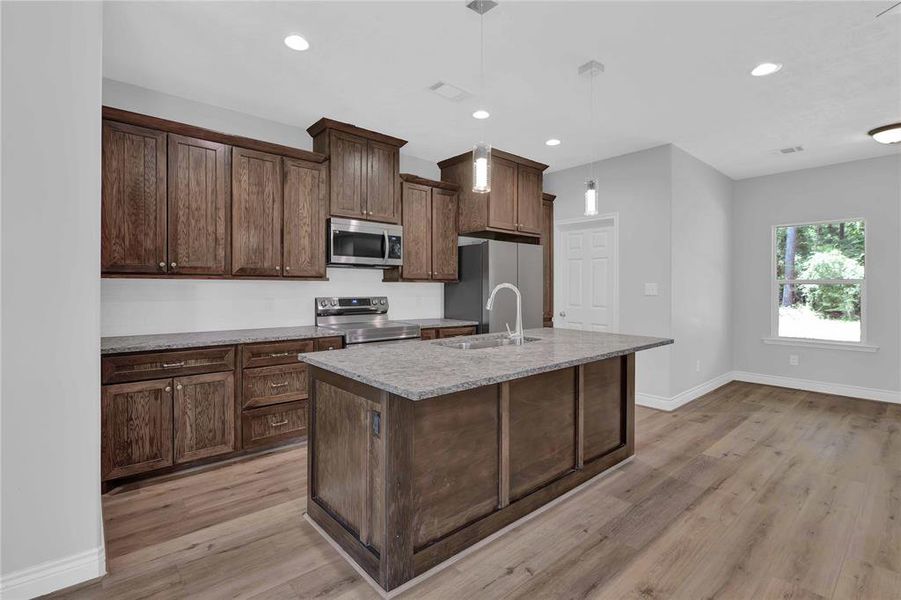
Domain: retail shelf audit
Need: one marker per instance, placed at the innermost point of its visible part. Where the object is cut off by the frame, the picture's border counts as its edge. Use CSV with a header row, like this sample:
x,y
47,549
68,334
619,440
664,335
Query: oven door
x,y
352,242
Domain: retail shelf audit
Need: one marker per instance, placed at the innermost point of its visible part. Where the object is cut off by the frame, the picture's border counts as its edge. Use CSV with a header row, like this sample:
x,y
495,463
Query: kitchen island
x,y
418,450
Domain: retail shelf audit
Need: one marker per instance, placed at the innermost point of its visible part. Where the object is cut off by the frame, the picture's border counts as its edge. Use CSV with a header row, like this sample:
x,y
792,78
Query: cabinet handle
x,y
274,423
287,269
278,354
278,385
163,265
178,386
180,363
168,388
173,264
277,268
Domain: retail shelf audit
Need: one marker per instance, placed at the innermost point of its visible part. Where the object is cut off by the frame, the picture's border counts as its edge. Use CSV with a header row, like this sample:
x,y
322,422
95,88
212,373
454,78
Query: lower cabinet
x,y
204,415
274,423
136,432
433,333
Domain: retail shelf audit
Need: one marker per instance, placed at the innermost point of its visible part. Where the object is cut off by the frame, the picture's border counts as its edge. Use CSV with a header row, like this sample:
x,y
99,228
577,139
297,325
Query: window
x,y
819,281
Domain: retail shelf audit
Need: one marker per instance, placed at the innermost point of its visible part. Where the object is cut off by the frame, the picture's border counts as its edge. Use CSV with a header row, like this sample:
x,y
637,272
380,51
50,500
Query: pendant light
x,y
481,152
591,69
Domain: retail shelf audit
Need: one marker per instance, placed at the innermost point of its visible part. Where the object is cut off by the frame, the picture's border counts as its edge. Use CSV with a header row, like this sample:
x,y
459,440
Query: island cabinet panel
x,y
455,462
199,220
542,440
604,422
256,213
204,416
305,191
137,428
133,215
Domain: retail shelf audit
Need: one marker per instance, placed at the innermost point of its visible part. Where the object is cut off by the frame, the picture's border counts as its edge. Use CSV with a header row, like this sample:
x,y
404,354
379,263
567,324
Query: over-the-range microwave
x,y
364,243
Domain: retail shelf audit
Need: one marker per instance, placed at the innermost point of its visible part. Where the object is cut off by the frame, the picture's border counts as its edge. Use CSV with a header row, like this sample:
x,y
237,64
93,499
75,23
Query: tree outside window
x,y
820,280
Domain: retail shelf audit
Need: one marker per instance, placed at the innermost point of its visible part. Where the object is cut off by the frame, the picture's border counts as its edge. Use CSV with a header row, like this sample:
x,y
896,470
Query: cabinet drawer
x,y
156,365
274,423
448,332
428,334
330,343
275,353
274,385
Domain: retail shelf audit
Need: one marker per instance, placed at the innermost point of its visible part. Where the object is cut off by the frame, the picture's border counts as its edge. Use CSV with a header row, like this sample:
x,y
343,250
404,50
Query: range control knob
x,y
334,302
382,301
322,303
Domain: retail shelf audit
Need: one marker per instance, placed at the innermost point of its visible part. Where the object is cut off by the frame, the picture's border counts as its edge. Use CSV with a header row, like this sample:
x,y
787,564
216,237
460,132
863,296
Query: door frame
x,y
586,222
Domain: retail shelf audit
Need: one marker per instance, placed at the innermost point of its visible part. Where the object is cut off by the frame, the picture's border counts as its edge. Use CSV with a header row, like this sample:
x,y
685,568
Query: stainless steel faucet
x,y
517,336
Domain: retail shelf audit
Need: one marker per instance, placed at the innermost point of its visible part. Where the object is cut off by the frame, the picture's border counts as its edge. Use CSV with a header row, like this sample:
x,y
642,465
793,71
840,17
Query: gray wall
x,y
51,73
701,272
638,188
868,188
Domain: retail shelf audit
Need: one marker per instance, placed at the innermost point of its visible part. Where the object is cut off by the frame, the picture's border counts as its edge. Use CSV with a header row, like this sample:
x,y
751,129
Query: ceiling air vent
x,y
791,149
449,91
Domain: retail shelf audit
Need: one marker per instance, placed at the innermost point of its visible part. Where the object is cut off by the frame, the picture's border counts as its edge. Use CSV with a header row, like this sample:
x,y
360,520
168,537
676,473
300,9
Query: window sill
x,y
824,344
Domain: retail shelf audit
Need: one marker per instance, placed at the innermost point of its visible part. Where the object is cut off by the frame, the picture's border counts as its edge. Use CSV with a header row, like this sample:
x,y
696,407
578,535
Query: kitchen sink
x,y
485,342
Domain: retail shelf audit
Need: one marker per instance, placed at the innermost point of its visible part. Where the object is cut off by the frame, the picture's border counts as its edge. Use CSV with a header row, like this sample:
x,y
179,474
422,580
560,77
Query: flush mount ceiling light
x,y
481,114
767,68
552,142
295,41
887,134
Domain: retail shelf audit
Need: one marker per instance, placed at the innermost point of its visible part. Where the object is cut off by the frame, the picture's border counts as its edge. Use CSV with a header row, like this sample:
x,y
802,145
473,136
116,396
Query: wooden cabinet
x,y
204,416
256,213
136,433
547,244
430,231
305,194
511,209
198,196
363,170
433,333
183,201
265,426
133,215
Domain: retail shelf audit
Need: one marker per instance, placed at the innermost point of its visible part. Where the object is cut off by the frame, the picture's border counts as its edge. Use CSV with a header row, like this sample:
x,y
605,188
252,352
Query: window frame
x,y
776,281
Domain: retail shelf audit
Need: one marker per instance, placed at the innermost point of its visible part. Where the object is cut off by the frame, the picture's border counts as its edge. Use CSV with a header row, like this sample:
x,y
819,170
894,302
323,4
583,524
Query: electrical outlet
x,y
793,360
698,367
650,289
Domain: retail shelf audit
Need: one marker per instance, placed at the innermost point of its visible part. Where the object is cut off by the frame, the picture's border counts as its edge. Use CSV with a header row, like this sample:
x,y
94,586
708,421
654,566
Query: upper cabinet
x,y
547,243
364,169
430,231
511,208
133,216
183,201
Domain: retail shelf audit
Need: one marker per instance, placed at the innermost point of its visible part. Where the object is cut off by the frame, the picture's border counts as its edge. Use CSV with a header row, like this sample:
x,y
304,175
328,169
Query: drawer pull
x,y
180,363
278,354
274,423
278,385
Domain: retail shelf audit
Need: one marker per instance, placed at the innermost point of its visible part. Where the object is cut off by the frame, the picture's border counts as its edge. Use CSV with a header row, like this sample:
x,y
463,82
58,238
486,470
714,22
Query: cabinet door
x,y
444,235
136,432
204,412
417,231
256,213
547,243
133,215
502,198
303,252
528,199
382,186
348,167
198,206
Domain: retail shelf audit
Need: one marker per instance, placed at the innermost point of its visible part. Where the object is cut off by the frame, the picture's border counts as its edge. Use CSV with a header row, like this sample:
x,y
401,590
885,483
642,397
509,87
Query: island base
x,y
403,485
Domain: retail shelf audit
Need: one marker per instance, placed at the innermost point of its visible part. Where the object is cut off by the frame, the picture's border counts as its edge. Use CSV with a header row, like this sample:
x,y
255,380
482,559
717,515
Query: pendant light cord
x,y
482,61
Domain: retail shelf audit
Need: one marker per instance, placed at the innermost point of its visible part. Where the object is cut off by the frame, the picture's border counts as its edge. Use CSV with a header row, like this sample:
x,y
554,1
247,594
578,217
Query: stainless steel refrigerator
x,y
483,266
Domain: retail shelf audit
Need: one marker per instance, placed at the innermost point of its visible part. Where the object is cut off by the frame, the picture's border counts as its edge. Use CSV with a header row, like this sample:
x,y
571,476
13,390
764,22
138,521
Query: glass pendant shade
x,y
481,168
591,198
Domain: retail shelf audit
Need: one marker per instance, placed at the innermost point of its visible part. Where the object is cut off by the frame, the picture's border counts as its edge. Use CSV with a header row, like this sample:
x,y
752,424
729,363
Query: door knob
x,y
562,314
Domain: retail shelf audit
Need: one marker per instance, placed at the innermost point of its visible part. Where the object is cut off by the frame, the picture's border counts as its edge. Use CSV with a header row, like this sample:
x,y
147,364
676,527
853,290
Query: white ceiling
x,y
676,72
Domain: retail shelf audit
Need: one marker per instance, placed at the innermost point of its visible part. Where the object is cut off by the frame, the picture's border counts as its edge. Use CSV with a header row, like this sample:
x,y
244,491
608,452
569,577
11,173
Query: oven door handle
x,y
387,246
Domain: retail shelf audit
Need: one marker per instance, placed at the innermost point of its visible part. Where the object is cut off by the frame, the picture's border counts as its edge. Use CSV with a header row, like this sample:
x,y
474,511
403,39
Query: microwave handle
x,y
387,246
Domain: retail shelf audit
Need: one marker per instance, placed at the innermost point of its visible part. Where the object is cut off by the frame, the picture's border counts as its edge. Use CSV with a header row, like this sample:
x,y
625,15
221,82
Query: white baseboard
x,y
668,404
53,575
823,387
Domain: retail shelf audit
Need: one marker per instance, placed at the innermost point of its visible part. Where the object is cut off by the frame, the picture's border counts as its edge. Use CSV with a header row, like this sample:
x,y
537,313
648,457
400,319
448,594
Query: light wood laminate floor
x,y
749,492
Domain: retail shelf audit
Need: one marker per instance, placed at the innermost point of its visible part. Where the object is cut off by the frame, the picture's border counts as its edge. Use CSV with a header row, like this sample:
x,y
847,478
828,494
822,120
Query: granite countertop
x,y
172,341
425,323
424,369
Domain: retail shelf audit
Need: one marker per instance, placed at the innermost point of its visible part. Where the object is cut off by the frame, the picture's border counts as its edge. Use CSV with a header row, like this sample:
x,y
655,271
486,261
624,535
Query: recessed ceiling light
x,y
766,68
481,114
887,134
552,142
297,42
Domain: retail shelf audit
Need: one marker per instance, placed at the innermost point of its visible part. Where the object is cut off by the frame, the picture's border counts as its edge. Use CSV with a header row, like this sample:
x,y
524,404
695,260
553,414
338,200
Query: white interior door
x,y
586,287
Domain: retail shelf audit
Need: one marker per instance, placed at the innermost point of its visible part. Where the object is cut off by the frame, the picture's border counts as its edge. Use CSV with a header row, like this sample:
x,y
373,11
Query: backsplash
x,y
141,306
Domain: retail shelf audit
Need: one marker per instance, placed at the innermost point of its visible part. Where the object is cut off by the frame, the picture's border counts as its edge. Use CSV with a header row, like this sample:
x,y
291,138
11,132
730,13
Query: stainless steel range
x,y
362,320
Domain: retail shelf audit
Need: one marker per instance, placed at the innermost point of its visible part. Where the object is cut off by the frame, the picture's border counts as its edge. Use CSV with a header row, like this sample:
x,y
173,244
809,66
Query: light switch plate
x,y
793,360
650,289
